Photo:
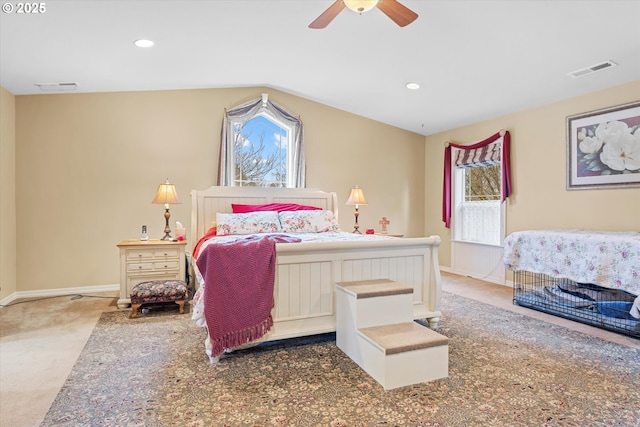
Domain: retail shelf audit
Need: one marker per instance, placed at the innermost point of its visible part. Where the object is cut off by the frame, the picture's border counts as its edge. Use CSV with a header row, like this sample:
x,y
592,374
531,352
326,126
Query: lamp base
x,y
167,230
356,226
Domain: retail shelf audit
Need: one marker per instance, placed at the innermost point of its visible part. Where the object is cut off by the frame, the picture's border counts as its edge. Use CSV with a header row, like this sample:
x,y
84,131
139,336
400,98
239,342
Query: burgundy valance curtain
x,y
482,153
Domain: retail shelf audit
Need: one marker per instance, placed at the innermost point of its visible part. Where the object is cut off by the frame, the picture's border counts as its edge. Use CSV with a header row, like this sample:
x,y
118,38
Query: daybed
x,y
306,272
589,276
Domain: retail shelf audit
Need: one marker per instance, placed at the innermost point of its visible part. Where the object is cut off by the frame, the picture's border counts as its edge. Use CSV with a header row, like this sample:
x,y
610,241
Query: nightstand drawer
x,y
166,253
142,266
150,253
166,265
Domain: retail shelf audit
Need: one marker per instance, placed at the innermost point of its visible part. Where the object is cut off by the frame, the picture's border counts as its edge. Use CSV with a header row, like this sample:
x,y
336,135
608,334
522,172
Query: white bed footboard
x,y
306,275
307,272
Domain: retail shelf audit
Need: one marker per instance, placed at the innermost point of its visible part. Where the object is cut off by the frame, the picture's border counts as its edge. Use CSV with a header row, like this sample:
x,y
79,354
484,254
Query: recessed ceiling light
x,y
143,43
413,86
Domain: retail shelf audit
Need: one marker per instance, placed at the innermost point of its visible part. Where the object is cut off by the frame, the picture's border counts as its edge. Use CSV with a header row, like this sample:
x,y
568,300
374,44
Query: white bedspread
x,y
610,259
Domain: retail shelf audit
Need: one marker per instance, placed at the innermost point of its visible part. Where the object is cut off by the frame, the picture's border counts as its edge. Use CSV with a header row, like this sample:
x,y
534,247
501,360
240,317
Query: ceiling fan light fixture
x,y
413,86
360,6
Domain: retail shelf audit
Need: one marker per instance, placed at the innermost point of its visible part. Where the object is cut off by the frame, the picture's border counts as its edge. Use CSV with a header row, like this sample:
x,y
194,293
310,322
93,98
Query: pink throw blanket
x,y
239,279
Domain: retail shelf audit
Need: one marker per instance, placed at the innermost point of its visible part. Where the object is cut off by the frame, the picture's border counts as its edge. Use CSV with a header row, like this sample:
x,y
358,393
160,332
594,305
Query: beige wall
x,y
538,158
7,195
88,165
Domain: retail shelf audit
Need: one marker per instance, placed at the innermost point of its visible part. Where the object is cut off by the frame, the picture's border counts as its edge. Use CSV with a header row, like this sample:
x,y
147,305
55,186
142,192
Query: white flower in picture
x,y
606,131
622,152
608,148
590,145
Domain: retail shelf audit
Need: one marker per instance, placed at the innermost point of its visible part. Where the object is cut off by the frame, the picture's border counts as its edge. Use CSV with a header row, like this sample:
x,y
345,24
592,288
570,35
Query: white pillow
x,y
248,223
316,221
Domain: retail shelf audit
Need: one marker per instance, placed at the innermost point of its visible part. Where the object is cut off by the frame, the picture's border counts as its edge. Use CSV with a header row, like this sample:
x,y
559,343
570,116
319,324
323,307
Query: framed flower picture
x,y
603,148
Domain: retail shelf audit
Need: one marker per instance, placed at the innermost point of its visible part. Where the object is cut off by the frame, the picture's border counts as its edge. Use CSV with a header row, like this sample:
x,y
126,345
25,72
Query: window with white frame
x,y
261,146
478,213
260,153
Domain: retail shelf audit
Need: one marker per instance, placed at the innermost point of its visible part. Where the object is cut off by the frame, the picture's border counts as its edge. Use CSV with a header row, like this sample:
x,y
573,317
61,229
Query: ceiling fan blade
x,y
327,16
398,13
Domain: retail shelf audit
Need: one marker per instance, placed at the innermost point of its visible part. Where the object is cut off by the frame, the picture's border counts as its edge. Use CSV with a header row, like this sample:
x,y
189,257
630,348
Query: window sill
x,y
492,245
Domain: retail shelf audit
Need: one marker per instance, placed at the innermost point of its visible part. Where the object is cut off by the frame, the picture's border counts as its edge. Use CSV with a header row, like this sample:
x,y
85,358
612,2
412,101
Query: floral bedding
x,y
299,221
609,259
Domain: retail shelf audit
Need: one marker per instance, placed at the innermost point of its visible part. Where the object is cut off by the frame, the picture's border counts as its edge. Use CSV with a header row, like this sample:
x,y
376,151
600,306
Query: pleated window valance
x,y
489,155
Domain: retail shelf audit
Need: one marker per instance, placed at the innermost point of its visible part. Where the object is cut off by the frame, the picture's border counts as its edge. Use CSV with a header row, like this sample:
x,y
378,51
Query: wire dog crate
x,y
591,304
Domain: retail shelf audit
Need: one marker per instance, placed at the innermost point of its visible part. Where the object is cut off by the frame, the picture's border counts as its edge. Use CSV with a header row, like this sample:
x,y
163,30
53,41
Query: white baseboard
x,y
40,293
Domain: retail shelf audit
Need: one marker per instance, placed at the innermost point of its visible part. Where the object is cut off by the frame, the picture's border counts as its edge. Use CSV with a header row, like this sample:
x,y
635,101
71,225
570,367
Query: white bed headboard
x,y
206,203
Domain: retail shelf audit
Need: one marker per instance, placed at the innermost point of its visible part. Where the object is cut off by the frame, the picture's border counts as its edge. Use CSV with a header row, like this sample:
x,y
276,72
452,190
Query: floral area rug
x,y
505,369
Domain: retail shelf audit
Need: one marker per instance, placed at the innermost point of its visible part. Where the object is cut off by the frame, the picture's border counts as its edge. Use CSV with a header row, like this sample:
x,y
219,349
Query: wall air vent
x,y
57,87
592,69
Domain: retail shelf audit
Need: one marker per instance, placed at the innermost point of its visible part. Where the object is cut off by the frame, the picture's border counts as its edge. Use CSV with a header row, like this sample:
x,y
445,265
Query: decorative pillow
x,y
278,207
315,221
248,223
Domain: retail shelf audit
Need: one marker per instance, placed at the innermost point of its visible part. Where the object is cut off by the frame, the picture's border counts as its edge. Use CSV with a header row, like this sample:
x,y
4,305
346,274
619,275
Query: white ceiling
x,y
473,59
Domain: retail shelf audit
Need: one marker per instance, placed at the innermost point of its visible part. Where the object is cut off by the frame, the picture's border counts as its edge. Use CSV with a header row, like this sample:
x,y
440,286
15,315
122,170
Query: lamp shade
x,y
166,195
356,197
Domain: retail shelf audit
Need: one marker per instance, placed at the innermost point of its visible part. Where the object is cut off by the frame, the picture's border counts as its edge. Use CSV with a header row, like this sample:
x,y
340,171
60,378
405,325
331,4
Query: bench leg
x,y
181,304
134,310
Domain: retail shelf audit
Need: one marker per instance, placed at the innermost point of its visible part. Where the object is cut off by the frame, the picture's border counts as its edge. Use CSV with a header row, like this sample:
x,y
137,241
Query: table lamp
x,y
356,198
166,195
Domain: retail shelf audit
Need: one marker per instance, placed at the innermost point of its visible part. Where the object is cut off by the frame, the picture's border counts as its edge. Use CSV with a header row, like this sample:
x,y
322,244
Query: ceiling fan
x,y
398,13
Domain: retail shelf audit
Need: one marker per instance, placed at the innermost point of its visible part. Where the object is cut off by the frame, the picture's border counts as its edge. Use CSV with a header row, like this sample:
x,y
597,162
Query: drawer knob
x,y
165,254
139,267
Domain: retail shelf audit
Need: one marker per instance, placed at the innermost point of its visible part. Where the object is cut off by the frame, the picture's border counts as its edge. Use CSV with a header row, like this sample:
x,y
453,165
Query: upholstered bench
x,y
158,291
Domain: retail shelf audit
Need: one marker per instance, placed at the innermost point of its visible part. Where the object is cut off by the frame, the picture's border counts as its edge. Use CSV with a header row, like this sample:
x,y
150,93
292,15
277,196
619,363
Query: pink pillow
x,y
278,207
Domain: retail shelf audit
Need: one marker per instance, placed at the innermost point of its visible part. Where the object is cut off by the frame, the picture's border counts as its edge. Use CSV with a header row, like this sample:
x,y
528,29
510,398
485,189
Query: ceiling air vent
x,y
57,87
592,69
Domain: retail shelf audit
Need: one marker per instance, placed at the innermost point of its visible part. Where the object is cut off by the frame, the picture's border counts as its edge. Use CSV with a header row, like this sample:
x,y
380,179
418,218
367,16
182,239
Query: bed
x,y
306,272
589,276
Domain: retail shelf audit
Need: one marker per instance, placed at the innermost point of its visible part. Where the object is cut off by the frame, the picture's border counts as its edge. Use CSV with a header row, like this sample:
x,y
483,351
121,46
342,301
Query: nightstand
x,y
144,260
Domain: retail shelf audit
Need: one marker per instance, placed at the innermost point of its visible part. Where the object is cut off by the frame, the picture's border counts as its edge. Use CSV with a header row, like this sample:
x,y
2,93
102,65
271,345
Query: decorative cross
x,y
384,221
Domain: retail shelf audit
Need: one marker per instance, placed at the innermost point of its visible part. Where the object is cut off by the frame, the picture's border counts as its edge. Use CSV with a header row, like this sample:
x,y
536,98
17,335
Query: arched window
x,y
261,146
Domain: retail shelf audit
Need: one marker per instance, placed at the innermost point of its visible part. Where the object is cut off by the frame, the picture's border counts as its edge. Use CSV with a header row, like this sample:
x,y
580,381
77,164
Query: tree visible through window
x,y
261,152
482,183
